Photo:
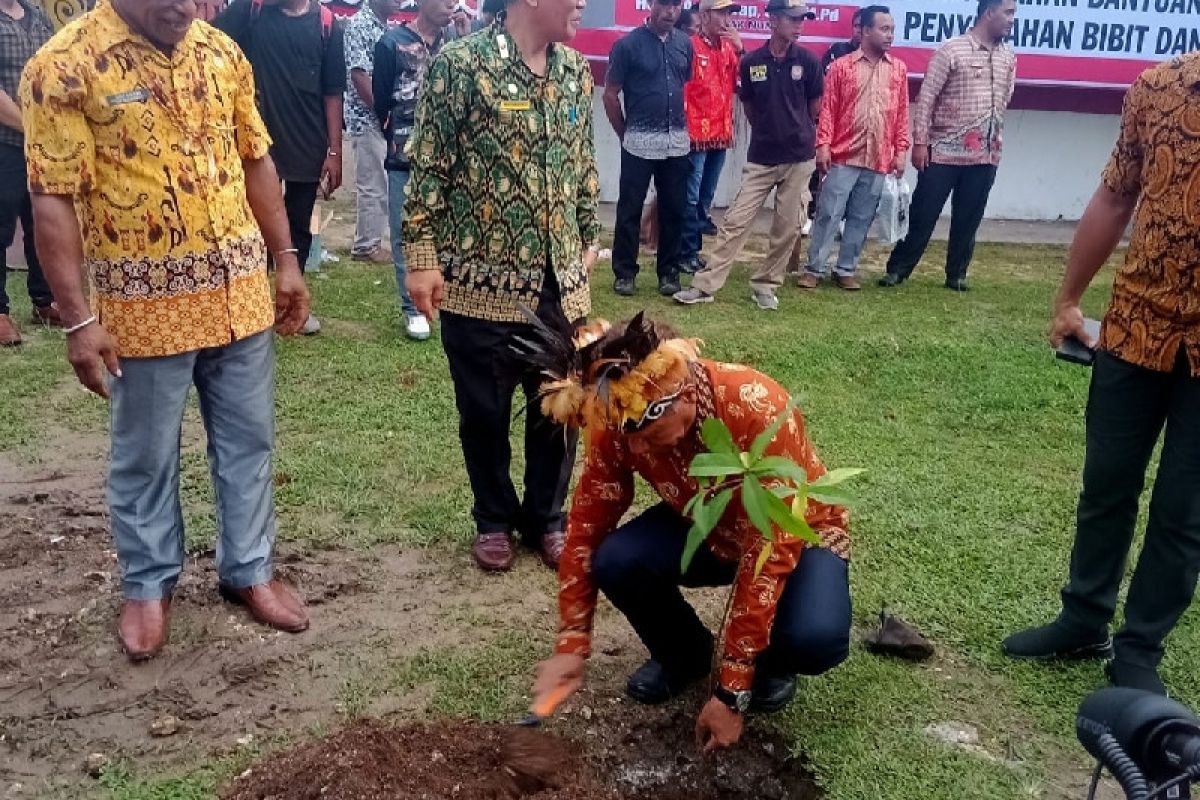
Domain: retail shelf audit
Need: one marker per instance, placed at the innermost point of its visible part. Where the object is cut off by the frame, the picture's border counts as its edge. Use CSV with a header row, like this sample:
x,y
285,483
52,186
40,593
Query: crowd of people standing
x,y
823,136
483,148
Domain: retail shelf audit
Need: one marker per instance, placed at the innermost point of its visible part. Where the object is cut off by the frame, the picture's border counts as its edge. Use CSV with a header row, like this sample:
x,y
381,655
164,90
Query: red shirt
x,y
864,113
748,402
708,96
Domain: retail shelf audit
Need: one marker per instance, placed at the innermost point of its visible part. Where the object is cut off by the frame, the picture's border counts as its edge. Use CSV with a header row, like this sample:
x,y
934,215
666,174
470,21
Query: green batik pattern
x,y
503,177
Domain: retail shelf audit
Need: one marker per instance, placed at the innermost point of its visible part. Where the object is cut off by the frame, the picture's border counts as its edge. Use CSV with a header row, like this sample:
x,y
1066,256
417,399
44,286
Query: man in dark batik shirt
x,y
401,62
502,218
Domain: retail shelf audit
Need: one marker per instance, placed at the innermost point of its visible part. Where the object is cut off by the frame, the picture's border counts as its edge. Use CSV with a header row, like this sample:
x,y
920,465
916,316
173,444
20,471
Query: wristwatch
x,y
737,701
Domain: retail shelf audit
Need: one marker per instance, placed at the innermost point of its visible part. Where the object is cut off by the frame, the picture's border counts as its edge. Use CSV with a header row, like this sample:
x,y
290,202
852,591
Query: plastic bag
x,y
892,218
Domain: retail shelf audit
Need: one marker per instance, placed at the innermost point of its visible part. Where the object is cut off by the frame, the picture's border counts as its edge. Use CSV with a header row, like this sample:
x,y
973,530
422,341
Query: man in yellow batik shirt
x,y
148,168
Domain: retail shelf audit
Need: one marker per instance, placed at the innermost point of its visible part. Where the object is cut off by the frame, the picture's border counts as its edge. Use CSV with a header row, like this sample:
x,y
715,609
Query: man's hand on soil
x,y
718,727
554,675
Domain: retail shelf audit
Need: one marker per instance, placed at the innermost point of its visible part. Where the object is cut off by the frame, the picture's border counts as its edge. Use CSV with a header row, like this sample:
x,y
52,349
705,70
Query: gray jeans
x,y
371,190
850,193
236,387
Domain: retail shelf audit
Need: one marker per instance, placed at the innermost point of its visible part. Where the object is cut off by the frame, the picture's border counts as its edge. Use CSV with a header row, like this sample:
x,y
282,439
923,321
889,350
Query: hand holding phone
x,y
1075,350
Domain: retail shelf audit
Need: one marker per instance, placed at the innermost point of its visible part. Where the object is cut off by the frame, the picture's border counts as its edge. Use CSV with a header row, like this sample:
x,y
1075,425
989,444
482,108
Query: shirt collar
x,y
411,28
649,30
792,51
110,30
980,44
499,39
860,55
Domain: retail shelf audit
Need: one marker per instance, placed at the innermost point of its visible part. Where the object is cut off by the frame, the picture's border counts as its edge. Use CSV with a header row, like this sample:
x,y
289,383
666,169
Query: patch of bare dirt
x,y
648,755
67,690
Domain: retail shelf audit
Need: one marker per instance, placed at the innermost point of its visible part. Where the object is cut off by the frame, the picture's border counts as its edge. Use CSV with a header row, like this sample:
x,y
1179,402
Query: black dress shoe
x,y
667,287
771,694
890,281
957,284
1133,676
651,684
709,229
625,287
1058,642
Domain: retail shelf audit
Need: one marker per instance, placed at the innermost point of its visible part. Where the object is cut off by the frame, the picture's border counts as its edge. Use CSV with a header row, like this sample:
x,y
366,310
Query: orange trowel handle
x,y
551,701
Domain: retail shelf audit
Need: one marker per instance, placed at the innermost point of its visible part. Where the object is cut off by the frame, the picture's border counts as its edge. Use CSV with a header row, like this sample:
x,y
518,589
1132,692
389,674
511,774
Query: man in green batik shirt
x,y
501,214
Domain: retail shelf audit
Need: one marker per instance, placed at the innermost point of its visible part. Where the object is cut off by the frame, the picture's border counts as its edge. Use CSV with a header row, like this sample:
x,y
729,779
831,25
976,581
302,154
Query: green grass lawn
x,y
971,432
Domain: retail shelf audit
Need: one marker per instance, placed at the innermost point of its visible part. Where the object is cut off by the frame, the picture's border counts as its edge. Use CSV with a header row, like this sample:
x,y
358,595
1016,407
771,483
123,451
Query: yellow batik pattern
x,y
150,146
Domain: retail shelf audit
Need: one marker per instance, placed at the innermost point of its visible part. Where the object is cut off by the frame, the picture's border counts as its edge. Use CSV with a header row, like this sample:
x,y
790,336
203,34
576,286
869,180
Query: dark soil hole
x,y
642,759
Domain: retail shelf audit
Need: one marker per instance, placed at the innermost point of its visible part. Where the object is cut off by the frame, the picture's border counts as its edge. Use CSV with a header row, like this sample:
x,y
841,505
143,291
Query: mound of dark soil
x,y
370,760
648,757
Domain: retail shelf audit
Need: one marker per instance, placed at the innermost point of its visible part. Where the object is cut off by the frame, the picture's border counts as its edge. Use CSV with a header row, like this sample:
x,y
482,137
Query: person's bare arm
x,y
362,85
331,170
266,201
612,108
10,112
91,350
1096,238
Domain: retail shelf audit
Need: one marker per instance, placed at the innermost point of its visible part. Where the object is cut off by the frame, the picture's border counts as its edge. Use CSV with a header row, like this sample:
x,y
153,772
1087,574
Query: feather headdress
x,y
599,374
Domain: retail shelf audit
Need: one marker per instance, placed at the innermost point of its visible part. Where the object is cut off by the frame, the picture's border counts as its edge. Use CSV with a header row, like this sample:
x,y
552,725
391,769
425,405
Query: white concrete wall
x,y
1052,163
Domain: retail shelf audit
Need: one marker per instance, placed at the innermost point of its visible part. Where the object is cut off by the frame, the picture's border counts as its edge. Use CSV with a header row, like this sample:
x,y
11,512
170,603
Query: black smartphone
x,y
1076,351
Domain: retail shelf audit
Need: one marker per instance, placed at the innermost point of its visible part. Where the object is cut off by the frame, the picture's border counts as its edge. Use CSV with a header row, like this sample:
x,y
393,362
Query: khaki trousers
x,y
790,183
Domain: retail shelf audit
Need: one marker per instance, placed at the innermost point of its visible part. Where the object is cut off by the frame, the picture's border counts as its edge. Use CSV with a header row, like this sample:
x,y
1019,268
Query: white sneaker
x,y
767,301
311,326
417,327
691,296
807,229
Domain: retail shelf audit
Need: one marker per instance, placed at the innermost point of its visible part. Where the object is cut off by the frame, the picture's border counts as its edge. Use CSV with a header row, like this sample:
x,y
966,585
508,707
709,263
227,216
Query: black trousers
x,y
637,568
1128,408
473,347
970,187
299,200
670,180
15,205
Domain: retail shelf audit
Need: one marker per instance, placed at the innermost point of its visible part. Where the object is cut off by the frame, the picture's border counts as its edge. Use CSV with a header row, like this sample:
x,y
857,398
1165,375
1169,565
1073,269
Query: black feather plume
x,y
546,348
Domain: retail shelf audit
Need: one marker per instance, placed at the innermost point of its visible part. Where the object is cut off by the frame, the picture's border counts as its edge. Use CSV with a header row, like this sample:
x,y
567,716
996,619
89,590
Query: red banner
x,y
1088,43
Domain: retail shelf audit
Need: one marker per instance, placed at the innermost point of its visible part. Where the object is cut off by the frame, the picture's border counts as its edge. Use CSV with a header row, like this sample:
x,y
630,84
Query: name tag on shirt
x,y
138,95
797,72
758,73
515,105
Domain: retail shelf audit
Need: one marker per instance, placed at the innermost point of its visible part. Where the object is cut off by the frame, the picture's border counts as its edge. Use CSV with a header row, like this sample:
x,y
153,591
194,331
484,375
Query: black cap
x,y
791,8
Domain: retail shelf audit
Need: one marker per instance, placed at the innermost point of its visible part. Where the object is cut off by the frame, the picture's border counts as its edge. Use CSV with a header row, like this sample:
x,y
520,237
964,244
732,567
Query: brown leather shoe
x,y
9,335
270,603
552,548
143,627
47,315
494,552
807,280
849,283
379,255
